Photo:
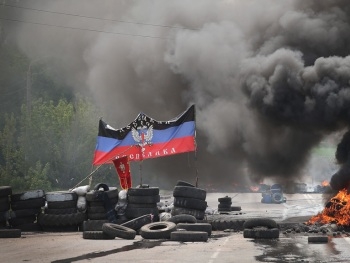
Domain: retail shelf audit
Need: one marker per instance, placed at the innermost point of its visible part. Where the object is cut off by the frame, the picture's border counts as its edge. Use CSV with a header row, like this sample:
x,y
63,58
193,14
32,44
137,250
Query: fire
x,y
336,211
254,188
325,183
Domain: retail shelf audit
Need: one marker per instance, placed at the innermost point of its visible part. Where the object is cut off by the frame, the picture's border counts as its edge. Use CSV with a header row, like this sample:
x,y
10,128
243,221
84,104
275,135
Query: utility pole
x,y
29,89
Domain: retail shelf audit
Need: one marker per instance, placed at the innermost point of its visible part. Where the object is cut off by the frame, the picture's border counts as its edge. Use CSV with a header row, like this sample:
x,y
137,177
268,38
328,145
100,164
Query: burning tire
x,y
157,230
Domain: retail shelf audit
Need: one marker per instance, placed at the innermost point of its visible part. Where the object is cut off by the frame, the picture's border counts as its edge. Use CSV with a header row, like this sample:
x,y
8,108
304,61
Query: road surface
x,y
222,246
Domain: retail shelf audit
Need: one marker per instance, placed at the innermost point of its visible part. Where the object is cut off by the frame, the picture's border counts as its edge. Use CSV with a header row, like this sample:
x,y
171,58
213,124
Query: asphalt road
x,y
222,246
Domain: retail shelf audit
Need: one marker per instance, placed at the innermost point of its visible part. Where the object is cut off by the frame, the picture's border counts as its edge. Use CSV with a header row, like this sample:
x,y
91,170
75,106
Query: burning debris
x,y
337,211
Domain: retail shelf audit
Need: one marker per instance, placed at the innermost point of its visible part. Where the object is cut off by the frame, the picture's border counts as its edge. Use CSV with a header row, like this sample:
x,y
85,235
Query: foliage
x,y
47,139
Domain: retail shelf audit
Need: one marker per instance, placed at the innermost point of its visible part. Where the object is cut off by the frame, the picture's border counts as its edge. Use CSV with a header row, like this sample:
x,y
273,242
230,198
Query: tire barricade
x,y
61,212
25,209
5,192
189,200
142,201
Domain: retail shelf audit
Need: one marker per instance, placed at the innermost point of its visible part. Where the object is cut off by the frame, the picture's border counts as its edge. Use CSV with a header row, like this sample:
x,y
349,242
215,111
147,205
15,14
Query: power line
x,y
97,18
82,29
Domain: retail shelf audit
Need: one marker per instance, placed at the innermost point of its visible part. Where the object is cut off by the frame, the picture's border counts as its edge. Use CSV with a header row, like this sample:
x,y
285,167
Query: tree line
x,y
47,137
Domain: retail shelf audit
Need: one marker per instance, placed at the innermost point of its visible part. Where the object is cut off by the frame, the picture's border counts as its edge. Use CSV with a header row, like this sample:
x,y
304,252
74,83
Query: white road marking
x,y
217,252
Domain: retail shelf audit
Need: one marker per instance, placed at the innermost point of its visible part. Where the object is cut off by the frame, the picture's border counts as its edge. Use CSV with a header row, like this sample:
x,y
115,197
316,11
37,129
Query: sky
x,y
269,79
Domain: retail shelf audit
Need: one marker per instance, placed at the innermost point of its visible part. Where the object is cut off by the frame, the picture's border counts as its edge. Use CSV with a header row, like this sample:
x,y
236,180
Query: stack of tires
x,y
190,200
5,192
61,213
143,201
101,202
260,228
25,208
225,205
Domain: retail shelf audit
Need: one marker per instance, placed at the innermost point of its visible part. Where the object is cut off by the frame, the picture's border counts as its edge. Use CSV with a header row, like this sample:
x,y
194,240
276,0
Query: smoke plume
x,y
269,79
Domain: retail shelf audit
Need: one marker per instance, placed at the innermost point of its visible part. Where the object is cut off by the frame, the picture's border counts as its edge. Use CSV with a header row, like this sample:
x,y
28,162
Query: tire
x,y
261,233
143,191
189,236
183,183
101,185
22,220
5,191
198,214
99,235
97,216
138,222
62,204
61,220
115,230
59,229
26,212
236,208
28,195
93,225
225,199
96,209
95,195
201,227
61,211
146,199
30,203
157,230
189,192
191,203
224,205
4,206
136,206
317,239
277,198
258,222
30,227
113,201
10,233
182,218
61,196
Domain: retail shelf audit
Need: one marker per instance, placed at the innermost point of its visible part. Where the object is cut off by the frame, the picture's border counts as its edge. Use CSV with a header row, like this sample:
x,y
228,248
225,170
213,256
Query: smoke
x,y
270,80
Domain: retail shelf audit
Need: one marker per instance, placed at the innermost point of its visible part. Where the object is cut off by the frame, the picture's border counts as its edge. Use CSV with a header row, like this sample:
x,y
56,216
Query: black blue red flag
x,y
146,138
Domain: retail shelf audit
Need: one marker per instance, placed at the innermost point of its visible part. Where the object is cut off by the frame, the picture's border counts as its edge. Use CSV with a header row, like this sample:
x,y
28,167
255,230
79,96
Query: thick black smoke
x,y
269,79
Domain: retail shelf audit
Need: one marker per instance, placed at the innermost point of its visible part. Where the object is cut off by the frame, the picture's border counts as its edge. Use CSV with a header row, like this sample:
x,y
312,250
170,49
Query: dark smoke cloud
x,y
270,80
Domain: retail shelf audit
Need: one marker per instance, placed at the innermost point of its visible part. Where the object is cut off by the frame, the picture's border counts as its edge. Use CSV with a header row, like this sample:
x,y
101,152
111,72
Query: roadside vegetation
x,y
47,131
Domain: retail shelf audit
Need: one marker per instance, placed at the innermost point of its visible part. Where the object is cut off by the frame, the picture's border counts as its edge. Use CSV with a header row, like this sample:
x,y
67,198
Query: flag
x,y
123,169
146,138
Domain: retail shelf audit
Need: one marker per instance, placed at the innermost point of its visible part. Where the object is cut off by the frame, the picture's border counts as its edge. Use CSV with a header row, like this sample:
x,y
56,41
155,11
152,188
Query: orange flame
x,y
336,211
254,188
325,183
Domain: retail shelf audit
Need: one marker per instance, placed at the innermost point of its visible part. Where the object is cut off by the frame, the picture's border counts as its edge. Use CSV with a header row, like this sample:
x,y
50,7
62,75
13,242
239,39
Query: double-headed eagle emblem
x,y
142,135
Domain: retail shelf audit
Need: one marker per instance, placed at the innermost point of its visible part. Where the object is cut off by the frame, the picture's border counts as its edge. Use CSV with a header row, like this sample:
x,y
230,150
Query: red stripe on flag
x,y
175,146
